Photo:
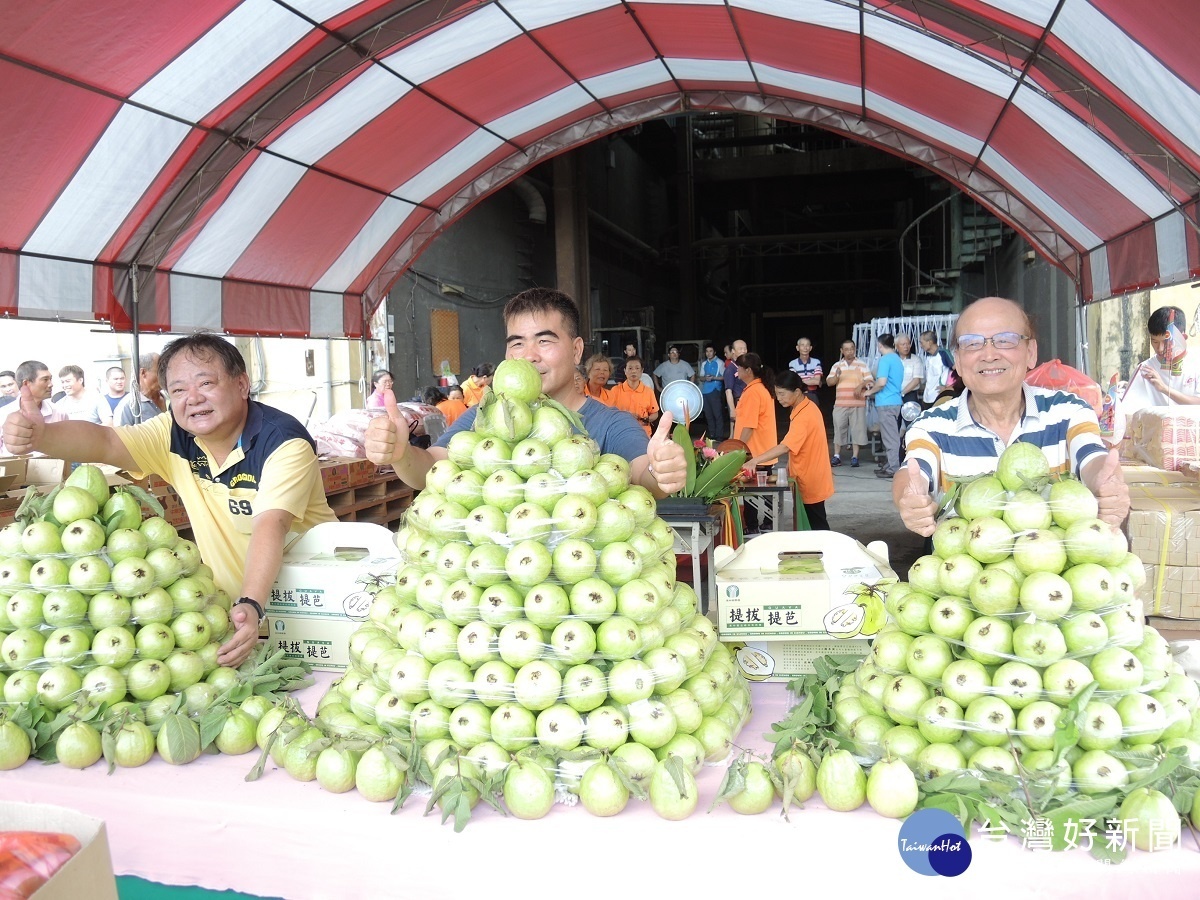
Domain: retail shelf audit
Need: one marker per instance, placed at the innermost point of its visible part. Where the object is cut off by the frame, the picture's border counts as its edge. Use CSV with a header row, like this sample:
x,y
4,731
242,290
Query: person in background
x,y
1170,375
634,397
733,385
8,386
914,370
806,447
75,402
146,400
33,379
476,383
994,349
111,396
756,409
851,376
581,381
808,367
599,369
756,424
712,385
937,368
247,473
628,351
886,390
452,406
381,381
674,369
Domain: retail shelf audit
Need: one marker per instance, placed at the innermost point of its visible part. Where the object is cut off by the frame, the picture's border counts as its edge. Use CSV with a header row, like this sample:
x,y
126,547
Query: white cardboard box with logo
x,y
783,595
322,593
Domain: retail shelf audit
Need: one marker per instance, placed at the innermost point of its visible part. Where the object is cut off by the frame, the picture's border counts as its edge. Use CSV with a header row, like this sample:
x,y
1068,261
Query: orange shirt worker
x,y
476,383
633,396
807,449
756,408
598,370
453,406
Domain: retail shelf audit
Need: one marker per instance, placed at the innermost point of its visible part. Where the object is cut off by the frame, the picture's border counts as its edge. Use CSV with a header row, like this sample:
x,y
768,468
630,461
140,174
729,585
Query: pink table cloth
x,y
202,824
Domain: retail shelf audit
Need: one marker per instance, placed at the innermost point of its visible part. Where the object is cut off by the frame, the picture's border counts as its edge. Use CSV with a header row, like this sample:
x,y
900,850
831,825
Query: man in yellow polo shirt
x,y
633,396
247,473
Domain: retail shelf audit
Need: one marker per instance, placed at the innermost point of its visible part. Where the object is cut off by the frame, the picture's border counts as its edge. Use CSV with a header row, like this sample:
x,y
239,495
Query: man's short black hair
x,y
10,373
540,300
203,345
1163,318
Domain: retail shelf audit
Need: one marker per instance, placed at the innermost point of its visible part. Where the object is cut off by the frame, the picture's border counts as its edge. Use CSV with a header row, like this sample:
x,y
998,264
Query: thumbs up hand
x,y
667,465
386,437
910,493
1108,484
23,428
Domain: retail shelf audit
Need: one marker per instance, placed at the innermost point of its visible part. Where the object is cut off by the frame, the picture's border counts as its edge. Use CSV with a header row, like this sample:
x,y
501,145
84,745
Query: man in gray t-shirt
x,y
674,369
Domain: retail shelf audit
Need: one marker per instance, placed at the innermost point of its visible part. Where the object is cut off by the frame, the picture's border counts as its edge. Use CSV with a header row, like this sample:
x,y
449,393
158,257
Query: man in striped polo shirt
x,y
994,348
851,376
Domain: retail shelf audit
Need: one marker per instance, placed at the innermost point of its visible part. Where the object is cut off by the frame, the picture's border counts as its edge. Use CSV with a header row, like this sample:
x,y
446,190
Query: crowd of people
x,y
70,398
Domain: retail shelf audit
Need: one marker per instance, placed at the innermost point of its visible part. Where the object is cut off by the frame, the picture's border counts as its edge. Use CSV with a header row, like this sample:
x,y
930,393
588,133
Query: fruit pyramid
x,y
110,626
1026,602
536,614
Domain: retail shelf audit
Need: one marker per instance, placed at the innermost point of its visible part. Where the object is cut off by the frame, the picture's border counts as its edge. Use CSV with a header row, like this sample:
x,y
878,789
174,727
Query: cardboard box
x,y
785,615
1137,474
89,873
42,470
361,471
1164,532
12,472
335,475
320,596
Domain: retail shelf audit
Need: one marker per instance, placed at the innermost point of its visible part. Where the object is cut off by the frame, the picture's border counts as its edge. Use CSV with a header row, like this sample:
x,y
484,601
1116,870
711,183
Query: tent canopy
x,y
271,167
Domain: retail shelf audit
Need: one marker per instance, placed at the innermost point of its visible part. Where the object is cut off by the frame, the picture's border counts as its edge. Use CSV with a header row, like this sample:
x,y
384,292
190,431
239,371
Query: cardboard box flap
x,y
350,541
89,873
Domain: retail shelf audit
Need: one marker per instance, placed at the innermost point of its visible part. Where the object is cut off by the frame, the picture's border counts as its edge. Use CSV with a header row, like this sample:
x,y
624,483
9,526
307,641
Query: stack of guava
x,y
1026,602
109,630
535,634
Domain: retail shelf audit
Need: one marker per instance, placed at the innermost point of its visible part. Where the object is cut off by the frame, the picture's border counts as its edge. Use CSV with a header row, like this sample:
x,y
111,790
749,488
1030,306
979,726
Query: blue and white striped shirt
x,y
948,443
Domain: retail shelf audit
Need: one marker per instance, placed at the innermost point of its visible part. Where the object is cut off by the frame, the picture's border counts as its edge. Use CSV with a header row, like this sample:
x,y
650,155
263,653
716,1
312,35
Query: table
x,y
694,535
768,499
182,825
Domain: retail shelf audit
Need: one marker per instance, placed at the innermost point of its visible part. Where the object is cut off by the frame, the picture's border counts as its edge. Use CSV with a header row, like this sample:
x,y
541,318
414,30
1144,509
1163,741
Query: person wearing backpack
x,y
939,368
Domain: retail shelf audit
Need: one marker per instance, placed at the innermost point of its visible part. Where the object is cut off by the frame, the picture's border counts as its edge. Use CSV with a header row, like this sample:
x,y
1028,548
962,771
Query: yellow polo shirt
x,y
274,466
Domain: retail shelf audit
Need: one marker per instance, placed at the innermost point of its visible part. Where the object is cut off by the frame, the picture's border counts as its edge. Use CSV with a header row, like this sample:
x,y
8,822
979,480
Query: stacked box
x,y
335,474
1164,532
361,471
1166,437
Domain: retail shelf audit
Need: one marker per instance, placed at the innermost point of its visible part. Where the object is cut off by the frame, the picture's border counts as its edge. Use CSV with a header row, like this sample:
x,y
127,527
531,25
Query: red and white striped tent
x,y
272,166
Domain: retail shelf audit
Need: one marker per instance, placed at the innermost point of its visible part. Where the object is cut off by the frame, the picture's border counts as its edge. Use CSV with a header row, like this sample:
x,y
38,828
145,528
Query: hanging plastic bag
x,y
1056,374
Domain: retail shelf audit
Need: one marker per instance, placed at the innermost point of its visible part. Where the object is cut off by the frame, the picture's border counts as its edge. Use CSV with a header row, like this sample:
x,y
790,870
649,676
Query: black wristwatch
x,y
257,606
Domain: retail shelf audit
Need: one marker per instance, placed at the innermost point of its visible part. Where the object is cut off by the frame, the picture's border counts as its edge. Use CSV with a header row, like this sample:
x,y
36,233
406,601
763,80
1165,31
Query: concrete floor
x,y
862,508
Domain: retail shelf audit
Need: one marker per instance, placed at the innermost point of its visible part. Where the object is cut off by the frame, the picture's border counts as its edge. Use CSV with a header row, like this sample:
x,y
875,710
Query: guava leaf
x,y
732,784
211,723
620,767
679,774
183,742
108,746
144,497
573,417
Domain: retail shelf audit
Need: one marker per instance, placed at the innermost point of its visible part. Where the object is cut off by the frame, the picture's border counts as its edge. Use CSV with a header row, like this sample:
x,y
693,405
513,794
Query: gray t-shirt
x,y
131,403
615,430
669,371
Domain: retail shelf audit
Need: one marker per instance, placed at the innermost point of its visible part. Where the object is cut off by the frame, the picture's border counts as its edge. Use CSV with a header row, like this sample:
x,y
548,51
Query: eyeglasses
x,y
1005,340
